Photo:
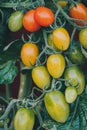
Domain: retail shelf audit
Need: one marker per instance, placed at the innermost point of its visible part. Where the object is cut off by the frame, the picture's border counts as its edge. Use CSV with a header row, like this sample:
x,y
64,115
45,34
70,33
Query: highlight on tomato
x,y
56,65
41,77
44,16
15,21
24,119
70,94
83,37
75,77
56,106
29,22
61,38
79,11
29,54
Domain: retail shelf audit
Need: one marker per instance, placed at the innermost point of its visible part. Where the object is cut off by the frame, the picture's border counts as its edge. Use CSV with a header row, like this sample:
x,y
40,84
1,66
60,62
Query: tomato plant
x,y
29,21
44,16
43,73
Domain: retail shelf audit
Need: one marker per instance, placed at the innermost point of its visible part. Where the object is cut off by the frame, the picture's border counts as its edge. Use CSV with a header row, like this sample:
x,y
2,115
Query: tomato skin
x,y
76,56
70,94
56,65
56,106
79,12
15,21
61,38
24,119
29,53
41,77
83,37
44,16
29,23
76,77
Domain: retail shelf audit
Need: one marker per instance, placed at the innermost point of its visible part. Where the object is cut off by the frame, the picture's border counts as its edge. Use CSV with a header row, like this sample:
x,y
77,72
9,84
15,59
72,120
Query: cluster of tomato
x,y
55,67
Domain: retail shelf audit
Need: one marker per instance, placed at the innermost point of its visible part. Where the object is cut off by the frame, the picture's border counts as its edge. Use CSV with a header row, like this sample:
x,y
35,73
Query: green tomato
x,y
24,119
15,21
76,56
75,77
56,106
70,94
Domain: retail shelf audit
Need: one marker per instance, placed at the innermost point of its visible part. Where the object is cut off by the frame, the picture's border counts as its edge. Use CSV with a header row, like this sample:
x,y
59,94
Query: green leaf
x,y
8,72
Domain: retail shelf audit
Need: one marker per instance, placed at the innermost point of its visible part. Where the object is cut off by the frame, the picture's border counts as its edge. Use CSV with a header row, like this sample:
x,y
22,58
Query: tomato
x,y
56,65
15,21
29,53
50,41
56,106
76,56
83,37
61,38
44,16
75,77
29,22
79,12
63,3
41,77
24,119
70,94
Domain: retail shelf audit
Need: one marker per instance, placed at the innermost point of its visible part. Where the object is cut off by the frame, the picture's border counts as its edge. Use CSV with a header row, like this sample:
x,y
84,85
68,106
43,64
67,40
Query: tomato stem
x,y
8,91
25,83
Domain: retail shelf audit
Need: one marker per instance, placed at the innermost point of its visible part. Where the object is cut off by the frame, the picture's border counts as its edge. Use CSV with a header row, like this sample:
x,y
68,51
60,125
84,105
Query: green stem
x,y
25,84
8,91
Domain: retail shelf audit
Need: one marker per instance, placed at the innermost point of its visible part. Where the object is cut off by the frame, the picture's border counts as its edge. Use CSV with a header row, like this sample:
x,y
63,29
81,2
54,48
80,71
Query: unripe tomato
x,y
70,94
61,38
76,78
44,16
29,53
79,12
41,77
29,23
63,3
15,21
56,106
83,37
24,119
56,65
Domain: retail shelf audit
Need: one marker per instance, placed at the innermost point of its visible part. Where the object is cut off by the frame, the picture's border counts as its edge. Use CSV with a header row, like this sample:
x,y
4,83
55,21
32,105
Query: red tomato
x,y
29,22
44,16
79,12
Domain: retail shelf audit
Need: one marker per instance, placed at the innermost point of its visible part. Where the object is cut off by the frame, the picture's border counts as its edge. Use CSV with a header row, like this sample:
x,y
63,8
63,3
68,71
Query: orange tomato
x,y
29,53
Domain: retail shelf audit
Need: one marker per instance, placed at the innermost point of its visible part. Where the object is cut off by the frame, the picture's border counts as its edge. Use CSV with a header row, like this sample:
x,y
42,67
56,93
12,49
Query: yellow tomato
x,y
61,38
62,3
56,65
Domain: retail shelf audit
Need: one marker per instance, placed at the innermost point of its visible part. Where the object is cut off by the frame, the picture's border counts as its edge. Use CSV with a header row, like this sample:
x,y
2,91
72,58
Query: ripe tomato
x,y
79,12
24,119
56,65
75,77
41,77
29,53
56,106
61,38
44,16
83,37
15,21
50,41
63,3
70,94
76,56
29,22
